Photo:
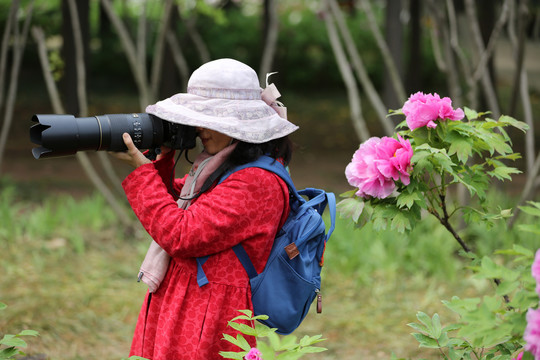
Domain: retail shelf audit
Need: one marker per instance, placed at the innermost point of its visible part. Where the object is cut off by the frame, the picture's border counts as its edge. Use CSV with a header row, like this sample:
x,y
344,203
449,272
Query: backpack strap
x,y
267,163
243,256
318,199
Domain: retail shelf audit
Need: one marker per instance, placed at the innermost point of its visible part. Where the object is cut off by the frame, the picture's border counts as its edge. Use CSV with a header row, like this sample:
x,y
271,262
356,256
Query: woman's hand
x,y
132,156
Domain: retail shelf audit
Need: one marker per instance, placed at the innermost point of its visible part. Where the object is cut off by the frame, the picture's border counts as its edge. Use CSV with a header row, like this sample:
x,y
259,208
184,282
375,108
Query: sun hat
x,y
224,95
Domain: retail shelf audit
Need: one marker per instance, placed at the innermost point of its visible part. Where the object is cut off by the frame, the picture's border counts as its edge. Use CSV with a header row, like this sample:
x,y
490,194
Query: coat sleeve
x,y
165,169
249,204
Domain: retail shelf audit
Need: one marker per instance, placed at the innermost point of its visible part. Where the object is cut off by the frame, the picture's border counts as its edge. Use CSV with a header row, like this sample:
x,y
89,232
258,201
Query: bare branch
x,y
5,46
386,54
487,84
360,70
52,89
18,51
197,39
139,72
160,49
79,56
525,99
178,57
358,120
270,42
439,20
527,190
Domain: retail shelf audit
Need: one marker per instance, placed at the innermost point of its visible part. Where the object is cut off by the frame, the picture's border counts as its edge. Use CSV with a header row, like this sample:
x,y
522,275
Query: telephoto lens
x,y
60,135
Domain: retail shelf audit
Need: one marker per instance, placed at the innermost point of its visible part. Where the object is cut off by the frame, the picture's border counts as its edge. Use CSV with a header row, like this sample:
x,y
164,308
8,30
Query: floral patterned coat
x,y
182,320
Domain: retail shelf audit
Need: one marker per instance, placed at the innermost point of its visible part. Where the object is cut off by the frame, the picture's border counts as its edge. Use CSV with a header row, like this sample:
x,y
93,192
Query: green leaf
x,y
2,306
508,120
9,353
232,355
348,194
531,210
406,199
462,147
312,349
419,327
351,208
267,352
243,328
436,324
532,228
28,333
12,340
288,343
470,114
504,172
400,223
426,341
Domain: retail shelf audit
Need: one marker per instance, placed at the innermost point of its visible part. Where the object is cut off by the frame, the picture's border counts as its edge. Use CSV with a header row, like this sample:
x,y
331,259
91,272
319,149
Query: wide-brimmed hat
x,y
224,95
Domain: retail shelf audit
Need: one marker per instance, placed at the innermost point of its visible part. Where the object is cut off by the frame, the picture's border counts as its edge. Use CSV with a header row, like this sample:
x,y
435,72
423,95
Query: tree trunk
x,y
394,39
414,74
69,81
270,33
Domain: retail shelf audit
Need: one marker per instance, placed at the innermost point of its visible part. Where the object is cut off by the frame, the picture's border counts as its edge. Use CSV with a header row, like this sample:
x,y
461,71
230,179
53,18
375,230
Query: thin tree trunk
x,y
391,67
139,72
5,46
195,36
358,120
414,65
395,39
527,192
487,84
83,105
440,22
270,39
160,49
525,99
472,92
178,58
380,109
18,51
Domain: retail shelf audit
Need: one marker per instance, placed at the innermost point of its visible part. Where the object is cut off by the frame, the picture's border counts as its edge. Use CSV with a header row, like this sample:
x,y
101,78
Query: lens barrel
x,y
60,135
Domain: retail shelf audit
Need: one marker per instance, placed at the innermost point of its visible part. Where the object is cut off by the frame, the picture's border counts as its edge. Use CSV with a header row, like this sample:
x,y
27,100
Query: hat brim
x,y
252,121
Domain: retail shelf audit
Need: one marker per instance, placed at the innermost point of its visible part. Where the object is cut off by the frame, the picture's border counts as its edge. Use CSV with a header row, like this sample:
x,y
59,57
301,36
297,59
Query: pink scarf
x,y
156,262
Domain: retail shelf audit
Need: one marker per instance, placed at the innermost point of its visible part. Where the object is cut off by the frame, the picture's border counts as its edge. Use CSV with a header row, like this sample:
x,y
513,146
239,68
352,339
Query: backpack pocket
x,y
288,301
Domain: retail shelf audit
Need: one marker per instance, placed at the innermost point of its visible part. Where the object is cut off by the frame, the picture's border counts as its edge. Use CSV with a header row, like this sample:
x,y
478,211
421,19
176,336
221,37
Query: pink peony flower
x,y
423,109
519,357
377,164
253,354
535,270
532,333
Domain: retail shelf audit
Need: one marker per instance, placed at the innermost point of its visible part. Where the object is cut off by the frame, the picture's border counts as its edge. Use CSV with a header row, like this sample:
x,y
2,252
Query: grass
x,y
70,273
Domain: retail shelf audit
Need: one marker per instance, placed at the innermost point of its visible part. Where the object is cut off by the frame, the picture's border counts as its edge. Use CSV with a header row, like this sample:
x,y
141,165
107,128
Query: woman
x,y
237,122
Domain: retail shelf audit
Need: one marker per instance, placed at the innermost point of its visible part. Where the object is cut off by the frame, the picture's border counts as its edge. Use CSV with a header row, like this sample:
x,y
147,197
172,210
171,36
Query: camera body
x,y
61,135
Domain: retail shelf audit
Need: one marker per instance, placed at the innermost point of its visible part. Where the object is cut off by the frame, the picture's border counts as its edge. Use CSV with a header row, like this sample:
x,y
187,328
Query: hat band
x,y
232,94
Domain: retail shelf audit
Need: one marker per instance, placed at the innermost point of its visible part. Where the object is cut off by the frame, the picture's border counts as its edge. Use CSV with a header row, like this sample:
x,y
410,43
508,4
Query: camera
x,y
60,135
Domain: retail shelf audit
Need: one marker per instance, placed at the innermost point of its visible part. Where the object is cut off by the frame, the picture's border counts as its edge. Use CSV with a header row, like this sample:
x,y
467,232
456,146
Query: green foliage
x,y
491,326
277,347
469,153
11,345
59,217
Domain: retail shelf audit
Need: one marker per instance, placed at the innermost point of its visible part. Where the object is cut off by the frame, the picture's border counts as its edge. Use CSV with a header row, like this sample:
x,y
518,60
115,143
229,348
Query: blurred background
x,y
69,245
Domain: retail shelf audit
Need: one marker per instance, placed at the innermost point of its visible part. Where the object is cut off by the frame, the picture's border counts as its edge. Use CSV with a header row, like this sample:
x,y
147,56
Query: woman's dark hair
x,y
244,153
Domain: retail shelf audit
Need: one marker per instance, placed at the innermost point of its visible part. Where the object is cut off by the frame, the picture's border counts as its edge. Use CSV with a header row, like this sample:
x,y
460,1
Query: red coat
x,y
182,320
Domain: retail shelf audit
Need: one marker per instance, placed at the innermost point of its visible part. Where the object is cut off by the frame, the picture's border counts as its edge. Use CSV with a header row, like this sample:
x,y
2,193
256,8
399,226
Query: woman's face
x,y
213,141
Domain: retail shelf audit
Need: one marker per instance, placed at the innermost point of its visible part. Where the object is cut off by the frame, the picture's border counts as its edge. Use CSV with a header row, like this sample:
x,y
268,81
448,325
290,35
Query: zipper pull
x,y
140,276
319,301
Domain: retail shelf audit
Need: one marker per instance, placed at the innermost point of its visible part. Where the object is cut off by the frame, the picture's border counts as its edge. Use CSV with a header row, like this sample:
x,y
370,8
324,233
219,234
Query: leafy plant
x,y
283,348
400,180
10,345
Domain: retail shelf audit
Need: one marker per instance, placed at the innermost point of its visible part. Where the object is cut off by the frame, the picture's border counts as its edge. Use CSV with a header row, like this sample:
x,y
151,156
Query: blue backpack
x,y
291,279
